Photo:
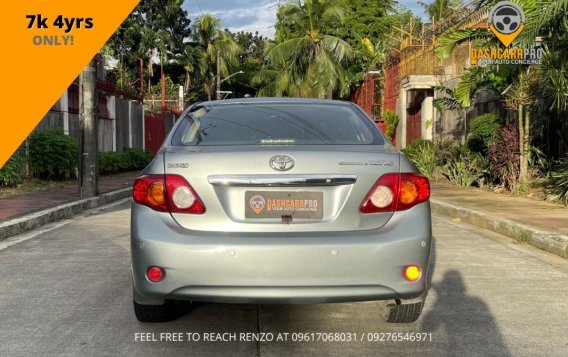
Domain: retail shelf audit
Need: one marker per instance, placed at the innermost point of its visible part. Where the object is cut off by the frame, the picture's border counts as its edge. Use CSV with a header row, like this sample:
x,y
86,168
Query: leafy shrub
x,y
504,157
112,162
138,158
559,181
121,161
391,119
416,145
445,151
10,173
484,130
423,154
466,168
52,155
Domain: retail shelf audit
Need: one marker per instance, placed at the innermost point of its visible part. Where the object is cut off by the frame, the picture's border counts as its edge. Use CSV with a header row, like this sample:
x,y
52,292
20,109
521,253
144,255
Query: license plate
x,y
275,204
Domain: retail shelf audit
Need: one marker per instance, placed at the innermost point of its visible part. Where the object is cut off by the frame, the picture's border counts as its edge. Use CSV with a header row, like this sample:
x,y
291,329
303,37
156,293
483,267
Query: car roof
x,y
273,100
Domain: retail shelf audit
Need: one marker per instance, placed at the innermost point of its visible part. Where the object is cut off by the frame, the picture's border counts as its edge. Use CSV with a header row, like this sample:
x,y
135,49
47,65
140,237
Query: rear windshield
x,y
276,124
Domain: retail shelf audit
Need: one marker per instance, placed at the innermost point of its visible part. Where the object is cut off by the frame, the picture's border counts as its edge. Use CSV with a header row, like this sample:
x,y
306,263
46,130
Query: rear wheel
x,y
154,313
402,312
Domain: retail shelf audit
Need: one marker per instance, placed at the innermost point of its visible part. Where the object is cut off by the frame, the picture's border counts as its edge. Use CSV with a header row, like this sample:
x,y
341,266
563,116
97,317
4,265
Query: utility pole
x,y
142,78
218,79
163,81
88,165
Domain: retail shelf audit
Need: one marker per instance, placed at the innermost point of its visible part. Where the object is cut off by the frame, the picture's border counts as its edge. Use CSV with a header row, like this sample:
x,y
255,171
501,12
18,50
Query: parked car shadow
x,y
463,322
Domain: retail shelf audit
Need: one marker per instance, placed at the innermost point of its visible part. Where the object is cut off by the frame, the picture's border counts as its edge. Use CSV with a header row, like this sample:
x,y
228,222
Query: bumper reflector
x,y
155,274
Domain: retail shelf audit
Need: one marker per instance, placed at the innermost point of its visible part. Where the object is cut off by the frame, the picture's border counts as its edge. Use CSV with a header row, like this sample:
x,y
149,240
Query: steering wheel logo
x,y
506,20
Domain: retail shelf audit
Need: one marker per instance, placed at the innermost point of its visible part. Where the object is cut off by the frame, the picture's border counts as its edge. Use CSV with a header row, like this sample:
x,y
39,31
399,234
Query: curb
x,y
551,242
30,221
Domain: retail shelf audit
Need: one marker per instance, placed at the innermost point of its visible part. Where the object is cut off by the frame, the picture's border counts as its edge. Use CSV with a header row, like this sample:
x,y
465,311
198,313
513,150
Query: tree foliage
x,y
154,27
218,48
305,60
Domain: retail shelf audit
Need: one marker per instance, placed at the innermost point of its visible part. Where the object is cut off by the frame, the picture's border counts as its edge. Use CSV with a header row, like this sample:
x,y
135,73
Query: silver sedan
x,y
276,200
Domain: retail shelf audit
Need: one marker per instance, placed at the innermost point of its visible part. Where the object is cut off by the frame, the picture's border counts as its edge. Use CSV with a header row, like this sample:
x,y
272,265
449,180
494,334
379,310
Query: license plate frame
x,y
275,204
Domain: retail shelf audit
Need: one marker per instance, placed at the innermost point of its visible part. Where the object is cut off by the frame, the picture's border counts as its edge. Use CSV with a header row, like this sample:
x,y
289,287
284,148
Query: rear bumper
x,y
279,268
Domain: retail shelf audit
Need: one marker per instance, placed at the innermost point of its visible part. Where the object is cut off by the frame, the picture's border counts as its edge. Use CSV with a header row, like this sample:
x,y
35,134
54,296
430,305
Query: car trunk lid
x,y
243,192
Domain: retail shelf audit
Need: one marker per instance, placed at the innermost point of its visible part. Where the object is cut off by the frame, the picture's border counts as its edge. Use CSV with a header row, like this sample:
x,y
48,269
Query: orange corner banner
x,y
46,45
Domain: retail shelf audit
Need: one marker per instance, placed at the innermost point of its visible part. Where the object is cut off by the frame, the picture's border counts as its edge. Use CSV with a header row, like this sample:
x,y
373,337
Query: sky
x,y
252,15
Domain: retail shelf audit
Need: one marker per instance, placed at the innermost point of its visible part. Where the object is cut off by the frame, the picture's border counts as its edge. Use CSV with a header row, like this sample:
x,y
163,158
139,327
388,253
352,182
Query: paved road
x,y
67,292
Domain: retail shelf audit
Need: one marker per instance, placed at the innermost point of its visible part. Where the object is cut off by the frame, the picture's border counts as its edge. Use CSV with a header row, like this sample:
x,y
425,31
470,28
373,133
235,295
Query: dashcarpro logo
x,y
506,20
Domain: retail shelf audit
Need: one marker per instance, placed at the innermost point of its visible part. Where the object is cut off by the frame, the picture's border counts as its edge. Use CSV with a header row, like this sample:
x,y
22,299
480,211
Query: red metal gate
x,y
154,131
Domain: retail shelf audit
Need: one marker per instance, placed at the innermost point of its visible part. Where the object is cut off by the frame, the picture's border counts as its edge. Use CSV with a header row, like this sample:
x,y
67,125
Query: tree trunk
x,y
464,141
142,77
522,153
187,82
526,143
150,69
208,89
218,78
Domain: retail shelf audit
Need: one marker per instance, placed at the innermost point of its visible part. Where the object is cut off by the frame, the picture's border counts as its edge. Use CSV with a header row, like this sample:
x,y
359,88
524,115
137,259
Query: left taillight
x,y
150,190
167,193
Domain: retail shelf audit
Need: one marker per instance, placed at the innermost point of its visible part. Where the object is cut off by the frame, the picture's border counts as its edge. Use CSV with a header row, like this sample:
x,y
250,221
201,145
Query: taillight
x,y
396,192
167,193
181,197
150,191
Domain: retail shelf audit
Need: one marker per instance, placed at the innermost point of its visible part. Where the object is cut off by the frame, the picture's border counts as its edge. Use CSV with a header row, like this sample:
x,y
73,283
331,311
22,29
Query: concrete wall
x,y
453,124
136,125
124,127
52,120
105,132
122,124
56,120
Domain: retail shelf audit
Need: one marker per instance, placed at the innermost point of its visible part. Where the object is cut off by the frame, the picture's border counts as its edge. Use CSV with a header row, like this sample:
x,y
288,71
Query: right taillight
x,y
167,193
396,192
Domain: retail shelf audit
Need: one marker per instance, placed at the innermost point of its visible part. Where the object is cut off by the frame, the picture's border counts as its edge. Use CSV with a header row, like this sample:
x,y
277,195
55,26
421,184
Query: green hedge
x,y
53,155
10,173
121,161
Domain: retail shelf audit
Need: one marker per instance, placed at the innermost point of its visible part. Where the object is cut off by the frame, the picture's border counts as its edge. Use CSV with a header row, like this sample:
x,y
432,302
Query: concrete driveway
x,y
67,292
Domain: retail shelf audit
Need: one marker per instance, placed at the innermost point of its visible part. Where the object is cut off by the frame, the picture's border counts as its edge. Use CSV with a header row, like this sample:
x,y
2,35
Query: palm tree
x,y
440,9
192,60
220,51
305,61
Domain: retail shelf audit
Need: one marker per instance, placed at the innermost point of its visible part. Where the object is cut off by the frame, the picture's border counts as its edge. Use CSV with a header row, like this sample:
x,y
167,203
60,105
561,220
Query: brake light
x,y
167,193
396,192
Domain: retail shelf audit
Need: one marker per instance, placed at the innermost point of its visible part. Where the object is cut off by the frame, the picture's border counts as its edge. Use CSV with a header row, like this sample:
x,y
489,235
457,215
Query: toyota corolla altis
x,y
278,200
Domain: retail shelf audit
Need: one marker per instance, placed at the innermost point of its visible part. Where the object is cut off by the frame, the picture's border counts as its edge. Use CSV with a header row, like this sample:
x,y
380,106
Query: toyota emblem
x,y
282,162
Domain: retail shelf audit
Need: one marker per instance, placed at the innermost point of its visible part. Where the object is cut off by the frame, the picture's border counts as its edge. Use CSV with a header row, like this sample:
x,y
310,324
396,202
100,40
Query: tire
x,y
154,313
404,313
